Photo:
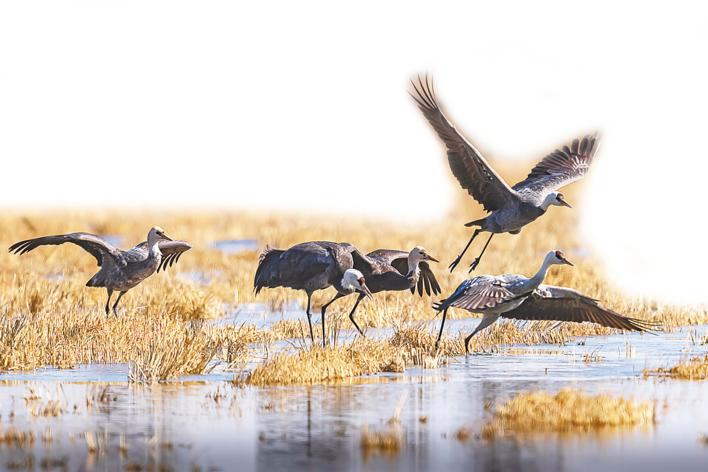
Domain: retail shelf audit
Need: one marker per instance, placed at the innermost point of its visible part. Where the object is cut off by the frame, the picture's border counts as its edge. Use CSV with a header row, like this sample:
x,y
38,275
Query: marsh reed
x,y
49,318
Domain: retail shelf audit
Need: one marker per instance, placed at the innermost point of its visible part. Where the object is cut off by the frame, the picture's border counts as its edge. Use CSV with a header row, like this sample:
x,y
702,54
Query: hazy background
x,y
303,106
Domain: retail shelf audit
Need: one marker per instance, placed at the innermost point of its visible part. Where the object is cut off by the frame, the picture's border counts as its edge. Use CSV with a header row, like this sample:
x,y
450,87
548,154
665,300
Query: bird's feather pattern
x,y
94,245
427,283
483,292
467,164
549,302
312,265
171,252
561,167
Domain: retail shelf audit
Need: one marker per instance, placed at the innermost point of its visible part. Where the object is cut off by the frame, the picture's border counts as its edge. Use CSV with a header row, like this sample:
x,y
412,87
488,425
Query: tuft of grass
x,y
566,411
172,352
462,434
387,442
695,368
324,365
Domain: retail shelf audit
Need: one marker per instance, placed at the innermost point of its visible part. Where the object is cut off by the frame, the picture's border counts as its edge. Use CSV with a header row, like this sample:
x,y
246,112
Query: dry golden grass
x,y
169,351
566,411
406,347
60,322
387,442
695,368
322,365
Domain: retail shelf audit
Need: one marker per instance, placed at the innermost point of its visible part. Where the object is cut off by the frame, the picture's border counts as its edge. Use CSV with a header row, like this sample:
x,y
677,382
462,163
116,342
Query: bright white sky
x,y
304,107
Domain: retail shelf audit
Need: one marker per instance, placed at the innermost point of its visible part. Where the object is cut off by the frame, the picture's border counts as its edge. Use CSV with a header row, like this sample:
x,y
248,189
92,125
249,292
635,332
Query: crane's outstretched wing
x,y
171,252
362,263
467,164
561,167
548,302
478,293
91,243
399,260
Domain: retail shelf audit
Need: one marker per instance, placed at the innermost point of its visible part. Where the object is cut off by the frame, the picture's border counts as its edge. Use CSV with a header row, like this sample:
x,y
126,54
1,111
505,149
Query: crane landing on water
x,y
510,208
525,298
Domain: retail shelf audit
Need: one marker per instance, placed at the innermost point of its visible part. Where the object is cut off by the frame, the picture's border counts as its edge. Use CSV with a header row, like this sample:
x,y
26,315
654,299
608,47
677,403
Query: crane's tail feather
x,y
267,271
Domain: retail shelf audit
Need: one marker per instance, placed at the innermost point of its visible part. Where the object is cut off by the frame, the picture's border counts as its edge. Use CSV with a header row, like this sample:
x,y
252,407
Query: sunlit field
x,y
196,339
45,303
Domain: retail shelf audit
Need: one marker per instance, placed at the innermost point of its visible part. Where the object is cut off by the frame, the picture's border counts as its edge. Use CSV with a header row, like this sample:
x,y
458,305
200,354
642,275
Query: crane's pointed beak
x,y
567,262
365,290
430,258
165,237
563,202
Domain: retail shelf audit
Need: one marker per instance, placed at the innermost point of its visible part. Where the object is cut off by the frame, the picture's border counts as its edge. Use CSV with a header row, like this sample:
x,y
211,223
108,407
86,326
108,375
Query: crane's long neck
x,y
413,269
154,247
533,283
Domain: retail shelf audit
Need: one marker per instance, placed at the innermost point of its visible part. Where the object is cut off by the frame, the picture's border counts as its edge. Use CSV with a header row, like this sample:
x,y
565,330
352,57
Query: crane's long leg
x,y
442,325
475,262
486,321
309,317
108,302
324,310
115,305
457,260
351,314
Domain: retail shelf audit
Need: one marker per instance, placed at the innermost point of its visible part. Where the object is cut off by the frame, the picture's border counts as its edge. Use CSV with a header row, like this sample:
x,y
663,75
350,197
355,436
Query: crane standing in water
x,y
392,270
311,266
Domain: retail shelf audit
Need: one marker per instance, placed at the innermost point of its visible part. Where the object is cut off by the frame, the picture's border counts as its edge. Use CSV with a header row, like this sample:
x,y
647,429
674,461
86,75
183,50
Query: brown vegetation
x,y
695,368
565,411
50,321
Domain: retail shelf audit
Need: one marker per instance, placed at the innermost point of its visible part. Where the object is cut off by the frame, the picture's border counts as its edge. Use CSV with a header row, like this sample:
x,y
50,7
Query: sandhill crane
x,y
120,270
522,298
311,266
388,269
511,208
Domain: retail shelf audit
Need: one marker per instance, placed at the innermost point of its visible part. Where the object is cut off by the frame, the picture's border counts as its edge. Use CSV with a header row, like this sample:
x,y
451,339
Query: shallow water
x,y
235,246
180,425
198,277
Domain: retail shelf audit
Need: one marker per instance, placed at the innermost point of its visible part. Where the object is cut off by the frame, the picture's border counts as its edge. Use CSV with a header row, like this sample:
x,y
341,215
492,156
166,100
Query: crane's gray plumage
x,y
510,208
393,270
549,302
120,270
311,266
390,270
523,298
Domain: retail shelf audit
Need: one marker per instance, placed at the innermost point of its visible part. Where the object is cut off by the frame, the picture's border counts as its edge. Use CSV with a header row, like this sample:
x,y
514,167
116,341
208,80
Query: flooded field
x,y
170,382
90,417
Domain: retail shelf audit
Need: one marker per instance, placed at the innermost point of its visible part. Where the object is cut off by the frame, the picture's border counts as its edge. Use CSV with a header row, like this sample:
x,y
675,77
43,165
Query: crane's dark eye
x,y
559,255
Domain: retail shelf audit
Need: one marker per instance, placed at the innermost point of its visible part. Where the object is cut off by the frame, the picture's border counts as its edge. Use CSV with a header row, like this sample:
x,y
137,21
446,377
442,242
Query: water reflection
x,y
215,424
